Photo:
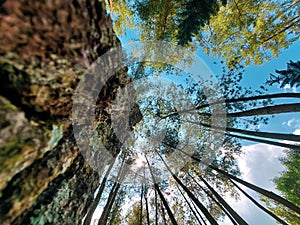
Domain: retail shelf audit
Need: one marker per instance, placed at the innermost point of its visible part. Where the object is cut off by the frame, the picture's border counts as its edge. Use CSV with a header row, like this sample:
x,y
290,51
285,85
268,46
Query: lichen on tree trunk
x,y
45,47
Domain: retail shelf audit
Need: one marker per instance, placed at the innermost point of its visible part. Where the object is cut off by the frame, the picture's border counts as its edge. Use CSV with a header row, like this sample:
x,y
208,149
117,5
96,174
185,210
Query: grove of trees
x,y
48,47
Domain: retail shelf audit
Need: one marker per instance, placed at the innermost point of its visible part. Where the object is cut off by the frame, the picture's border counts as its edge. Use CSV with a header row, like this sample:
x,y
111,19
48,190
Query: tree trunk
x,y
242,99
259,205
112,195
45,47
279,136
218,203
88,218
141,205
147,206
189,205
164,201
191,195
234,214
268,110
156,207
290,137
253,187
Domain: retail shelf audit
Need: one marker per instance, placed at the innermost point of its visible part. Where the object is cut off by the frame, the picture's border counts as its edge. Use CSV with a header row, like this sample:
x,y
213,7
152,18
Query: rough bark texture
x,y
45,46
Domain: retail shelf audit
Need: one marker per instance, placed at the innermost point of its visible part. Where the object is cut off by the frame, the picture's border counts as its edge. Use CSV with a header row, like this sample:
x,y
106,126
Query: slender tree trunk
x,y
147,207
163,214
141,205
262,191
280,144
201,217
95,203
164,201
263,134
191,195
218,203
234,214
156,208
112,195
268,110
242,99
259,205
279,136
189,205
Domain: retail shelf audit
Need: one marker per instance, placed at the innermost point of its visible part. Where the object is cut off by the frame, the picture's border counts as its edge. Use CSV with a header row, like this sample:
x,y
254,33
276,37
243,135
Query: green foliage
x,y
290,76
289,181
251,31
289,185
133,216
122,15
174,21
194,16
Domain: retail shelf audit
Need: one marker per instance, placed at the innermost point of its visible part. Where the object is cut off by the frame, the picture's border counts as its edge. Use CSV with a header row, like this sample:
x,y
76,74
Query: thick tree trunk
x,y
45,46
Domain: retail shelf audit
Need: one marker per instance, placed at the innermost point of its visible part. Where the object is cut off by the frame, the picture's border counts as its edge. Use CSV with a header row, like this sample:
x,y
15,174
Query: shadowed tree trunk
x,y
94,205
189,205
218,203
45,47
147,206
164,201
253,187
113,194
191,195
259,205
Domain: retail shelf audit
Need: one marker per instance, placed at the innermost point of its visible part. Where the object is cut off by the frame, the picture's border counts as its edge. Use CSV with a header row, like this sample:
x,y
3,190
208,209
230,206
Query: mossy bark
x,y
45,46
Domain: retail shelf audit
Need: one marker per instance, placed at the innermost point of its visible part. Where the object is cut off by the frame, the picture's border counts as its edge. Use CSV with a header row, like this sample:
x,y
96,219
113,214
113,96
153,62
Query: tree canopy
x,y
159,141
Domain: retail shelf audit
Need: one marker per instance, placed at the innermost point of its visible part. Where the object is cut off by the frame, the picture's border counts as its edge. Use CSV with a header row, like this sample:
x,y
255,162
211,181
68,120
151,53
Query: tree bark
x,y
113,194
45,47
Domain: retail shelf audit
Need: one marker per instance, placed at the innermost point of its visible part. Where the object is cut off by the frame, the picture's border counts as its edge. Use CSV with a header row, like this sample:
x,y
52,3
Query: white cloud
x,y
294,123
289,123
288,87
297,132
259,165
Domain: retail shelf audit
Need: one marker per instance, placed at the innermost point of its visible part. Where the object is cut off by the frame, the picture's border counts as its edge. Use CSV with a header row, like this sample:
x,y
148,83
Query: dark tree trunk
x,y
45,47
94,205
